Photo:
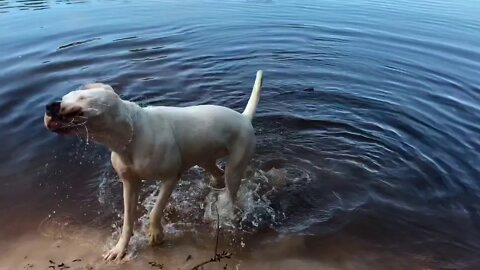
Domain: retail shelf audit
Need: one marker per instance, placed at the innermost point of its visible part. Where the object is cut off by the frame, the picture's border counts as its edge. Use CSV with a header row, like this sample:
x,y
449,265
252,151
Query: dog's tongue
x,y
54,124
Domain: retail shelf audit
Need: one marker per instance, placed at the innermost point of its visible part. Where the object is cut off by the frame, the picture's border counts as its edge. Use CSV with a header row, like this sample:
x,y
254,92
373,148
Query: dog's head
x,y
81,110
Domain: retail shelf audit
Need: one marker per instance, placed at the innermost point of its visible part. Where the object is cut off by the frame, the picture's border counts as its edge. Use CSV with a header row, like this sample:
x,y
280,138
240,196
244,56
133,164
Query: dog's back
x,y
205,130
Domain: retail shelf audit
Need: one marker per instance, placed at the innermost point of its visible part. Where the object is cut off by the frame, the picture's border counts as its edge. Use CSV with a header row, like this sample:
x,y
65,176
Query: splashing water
x,y
191,208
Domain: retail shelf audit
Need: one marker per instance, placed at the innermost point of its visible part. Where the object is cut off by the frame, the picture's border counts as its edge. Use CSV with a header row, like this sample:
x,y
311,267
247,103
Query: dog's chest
x,y
144,168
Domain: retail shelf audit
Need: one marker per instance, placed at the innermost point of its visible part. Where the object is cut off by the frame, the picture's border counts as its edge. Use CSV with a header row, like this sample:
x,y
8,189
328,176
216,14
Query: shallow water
x,y
367,128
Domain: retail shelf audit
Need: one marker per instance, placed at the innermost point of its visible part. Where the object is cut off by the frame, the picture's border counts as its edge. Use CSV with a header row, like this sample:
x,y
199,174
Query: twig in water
x,y
218,228
217,257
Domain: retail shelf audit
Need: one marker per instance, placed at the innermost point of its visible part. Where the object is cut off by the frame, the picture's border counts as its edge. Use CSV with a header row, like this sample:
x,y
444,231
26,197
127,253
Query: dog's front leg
x,y
130,199
156,229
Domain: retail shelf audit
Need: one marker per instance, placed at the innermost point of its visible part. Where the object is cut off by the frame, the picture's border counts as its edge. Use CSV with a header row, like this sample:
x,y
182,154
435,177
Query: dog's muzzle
x,y
60,120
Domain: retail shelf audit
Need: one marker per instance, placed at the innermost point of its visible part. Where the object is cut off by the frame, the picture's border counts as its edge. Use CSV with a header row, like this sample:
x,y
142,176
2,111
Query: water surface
x,y
367,128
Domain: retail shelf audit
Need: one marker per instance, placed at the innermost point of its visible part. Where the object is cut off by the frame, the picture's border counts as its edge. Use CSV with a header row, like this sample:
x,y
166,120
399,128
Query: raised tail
x,y
249,111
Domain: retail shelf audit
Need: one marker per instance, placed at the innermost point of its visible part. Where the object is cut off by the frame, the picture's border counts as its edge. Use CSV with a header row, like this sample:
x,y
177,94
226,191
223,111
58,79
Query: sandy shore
x,y
84,249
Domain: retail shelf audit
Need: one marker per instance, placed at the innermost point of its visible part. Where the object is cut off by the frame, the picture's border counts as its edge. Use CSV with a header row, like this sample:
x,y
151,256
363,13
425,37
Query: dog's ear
x,y
97,85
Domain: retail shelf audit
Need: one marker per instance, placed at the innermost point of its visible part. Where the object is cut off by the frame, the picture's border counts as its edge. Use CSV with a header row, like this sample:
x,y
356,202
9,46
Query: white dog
x,y
158,143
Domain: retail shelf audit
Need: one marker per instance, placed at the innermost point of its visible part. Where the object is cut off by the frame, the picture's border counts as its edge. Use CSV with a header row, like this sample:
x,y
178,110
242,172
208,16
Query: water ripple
x,y
367,126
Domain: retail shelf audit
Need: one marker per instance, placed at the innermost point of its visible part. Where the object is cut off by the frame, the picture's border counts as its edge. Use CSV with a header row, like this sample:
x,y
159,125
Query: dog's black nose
x,y
52,109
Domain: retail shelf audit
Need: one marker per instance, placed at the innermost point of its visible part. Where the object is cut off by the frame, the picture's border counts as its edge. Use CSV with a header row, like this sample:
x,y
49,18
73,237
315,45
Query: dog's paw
x,y
155,235
217,183
115,254
217,187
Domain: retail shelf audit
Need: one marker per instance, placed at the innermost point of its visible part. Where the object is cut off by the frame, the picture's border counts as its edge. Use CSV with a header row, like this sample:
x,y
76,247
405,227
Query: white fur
x,y
159,143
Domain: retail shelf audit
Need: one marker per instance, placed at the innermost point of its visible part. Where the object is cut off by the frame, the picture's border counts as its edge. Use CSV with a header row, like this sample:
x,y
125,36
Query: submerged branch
x,y
217,257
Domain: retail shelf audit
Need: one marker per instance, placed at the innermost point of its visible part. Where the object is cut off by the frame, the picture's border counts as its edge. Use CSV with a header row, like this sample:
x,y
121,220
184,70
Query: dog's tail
x,y
249,111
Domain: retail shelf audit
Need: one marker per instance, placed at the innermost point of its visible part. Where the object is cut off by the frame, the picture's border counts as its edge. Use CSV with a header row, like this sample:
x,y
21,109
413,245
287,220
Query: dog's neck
x,y
118,136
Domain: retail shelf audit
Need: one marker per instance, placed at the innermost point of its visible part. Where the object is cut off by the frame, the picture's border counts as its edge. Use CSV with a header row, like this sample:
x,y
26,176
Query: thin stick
x,y
217,257
218,227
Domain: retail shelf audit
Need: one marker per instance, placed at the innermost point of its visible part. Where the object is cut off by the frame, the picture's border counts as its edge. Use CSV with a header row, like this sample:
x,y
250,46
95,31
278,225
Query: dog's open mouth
x,y
64,123
59,127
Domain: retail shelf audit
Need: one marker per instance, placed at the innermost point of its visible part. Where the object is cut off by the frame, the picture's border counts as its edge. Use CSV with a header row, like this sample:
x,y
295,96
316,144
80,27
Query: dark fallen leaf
x,y
63,266
50,261
155,264
77,260
189,257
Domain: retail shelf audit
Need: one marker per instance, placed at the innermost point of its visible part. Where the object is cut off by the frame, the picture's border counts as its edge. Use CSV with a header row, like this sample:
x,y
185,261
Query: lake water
x,y
368,129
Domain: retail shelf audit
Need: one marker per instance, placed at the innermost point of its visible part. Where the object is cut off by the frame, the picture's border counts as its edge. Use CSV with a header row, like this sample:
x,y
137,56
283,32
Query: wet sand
x,y
84,252
82,249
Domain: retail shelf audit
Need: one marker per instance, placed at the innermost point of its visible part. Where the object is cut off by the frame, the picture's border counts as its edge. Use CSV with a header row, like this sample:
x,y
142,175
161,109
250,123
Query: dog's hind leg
x,y
238,159
156,229
216,174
